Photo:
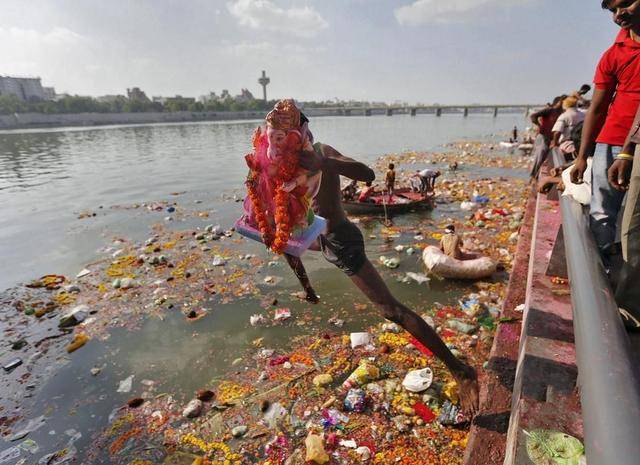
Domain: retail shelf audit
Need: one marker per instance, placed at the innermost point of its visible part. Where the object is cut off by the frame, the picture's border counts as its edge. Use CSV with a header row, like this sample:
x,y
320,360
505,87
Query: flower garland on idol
x,y
273,175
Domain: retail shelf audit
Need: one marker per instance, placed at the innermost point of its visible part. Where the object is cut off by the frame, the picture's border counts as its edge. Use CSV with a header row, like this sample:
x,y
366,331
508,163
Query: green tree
x,y
10,104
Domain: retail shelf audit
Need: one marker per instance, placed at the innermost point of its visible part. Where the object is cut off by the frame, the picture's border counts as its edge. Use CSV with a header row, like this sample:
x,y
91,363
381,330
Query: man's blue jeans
x,y
605,200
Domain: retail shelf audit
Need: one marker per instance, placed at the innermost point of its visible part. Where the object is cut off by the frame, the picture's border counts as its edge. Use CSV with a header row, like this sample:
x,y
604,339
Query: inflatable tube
x,y
447,267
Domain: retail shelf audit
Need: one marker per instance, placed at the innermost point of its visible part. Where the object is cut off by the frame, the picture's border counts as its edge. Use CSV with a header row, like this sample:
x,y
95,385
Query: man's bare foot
x,y
468,391
311,296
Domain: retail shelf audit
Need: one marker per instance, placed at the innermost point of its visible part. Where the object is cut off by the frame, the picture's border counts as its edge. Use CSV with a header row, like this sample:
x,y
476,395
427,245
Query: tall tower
x,y
263,81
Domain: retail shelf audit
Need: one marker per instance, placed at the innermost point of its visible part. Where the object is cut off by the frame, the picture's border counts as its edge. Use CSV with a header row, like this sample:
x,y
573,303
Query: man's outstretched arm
x,y
337,162
593,123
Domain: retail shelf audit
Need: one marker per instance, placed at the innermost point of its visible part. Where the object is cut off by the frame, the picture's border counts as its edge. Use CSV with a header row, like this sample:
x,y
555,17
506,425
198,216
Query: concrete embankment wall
x,y
39,120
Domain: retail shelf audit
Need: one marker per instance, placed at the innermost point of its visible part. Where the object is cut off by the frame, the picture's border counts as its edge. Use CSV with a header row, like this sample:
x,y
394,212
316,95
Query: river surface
x,y
48,178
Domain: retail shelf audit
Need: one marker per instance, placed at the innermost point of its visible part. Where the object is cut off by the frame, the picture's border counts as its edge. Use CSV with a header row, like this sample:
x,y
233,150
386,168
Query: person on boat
x,y
427,179
514,133
367,191
451,245
343,245
349,192
390,180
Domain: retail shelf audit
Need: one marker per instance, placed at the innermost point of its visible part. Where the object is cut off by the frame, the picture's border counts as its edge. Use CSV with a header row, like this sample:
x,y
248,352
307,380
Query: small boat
x,y
448,267
403,201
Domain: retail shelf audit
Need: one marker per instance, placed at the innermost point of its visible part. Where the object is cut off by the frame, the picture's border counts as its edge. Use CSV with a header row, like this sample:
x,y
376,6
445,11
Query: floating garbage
x,y
360,339
355,400
126,384
461,326
79,340
282,314
315,449
322,380
420,278
193,408
418,380
12,364
257,320
365,373
546,447
74,317
390,262
218,261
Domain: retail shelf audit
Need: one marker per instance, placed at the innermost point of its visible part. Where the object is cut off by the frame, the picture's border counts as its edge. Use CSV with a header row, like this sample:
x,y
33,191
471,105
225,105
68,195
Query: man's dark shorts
x,y
344,247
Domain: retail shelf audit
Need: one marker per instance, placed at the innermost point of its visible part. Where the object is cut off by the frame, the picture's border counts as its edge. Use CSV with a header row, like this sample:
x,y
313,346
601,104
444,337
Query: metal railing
x,y
608,378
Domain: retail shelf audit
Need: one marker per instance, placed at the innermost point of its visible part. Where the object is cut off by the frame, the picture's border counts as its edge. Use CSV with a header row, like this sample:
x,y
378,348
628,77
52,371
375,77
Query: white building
x,y
26,89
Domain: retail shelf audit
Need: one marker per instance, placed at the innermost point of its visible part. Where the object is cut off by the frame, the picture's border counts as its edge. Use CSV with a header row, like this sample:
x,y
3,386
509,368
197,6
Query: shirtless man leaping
x,y
343,245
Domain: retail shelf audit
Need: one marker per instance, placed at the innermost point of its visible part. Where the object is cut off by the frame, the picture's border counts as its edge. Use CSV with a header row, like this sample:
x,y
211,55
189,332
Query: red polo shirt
x,y
619,68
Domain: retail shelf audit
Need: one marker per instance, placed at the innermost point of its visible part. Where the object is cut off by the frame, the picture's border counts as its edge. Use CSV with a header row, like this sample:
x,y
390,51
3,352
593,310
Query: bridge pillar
x,y
413,111
466,112
495,112
389,112
438,111
347,112
367,112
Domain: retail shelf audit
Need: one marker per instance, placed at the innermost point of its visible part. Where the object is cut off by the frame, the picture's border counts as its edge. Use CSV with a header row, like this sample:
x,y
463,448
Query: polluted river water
x,y
88,197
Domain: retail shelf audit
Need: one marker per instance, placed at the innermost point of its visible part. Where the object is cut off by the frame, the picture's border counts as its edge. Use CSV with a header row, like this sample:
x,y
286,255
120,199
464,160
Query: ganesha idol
x,y
278,210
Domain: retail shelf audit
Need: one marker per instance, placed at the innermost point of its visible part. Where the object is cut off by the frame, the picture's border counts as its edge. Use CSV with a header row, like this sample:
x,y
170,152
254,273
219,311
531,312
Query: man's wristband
x,y
624,156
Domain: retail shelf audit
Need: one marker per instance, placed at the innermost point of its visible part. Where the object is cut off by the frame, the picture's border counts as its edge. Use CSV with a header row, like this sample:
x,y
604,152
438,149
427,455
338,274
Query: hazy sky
x,y
444,51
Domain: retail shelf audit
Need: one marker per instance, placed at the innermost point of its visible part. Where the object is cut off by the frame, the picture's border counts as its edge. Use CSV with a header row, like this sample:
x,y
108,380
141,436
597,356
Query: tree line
x,y
10,104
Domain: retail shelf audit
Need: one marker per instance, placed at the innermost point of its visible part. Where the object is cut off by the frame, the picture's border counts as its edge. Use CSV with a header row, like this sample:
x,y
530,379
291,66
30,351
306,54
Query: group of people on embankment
x,y
601,136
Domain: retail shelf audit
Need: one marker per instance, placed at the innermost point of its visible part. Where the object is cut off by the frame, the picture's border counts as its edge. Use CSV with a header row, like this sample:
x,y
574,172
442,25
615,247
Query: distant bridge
x,y
413,110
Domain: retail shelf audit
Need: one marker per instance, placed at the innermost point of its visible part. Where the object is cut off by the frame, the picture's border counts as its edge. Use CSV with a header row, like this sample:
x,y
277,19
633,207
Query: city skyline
x,y
489,51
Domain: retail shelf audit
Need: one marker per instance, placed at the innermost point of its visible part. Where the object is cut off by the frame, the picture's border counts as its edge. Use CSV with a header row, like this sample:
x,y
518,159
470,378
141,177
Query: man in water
x,y
343,246
451,245
427,179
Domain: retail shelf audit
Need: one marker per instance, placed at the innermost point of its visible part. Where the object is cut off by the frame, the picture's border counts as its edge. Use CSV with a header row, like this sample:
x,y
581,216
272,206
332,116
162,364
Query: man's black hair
x,y
584,89
303,119
391,166
451,227
559,98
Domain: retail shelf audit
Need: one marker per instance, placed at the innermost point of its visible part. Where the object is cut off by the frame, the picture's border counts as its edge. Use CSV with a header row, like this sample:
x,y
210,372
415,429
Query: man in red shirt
x,y
615,101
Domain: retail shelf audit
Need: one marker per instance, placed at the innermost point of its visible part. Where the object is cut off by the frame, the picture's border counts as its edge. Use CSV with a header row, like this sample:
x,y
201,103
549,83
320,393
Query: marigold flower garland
x,y
287,165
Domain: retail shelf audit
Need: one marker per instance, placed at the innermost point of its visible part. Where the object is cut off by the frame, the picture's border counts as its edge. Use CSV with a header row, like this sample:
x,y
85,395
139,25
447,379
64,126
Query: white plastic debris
x,y
126,384
218,261
257,320
360,339
83,272
420,278
418,380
